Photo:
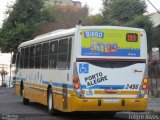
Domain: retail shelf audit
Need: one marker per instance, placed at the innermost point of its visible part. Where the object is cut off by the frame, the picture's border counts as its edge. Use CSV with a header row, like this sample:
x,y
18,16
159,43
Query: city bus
x,y
86,68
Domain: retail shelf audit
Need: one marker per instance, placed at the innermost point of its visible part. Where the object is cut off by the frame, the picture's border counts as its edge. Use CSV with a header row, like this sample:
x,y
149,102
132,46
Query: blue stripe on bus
x,y
104,87
20,78
83,86
57,84
45,82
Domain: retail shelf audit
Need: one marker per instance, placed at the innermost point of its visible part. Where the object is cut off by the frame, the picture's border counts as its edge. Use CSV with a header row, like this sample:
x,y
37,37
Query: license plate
x,y
111,100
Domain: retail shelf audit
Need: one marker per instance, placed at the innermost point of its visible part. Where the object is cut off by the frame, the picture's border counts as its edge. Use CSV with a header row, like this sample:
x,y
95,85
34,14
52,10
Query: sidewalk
x,y
154,105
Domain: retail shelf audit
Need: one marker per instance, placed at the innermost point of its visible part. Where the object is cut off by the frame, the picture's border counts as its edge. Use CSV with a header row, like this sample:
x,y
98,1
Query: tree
x,y
23,22
3,74
66,17
156,37
122,10
95,20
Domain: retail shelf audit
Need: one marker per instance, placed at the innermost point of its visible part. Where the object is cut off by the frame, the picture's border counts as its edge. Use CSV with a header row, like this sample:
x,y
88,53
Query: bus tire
x,y
21,89
50,103
112,114
25,101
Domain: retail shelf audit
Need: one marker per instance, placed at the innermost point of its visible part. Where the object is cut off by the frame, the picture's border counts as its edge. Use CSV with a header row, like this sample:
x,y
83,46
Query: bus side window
x,y
38,56
62,54
53,54
45,52
26,57
32,57
69,52
22,58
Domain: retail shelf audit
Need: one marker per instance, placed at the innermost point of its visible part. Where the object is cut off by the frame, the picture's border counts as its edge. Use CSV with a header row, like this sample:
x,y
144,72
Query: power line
x,y
123,8
154,6
132,10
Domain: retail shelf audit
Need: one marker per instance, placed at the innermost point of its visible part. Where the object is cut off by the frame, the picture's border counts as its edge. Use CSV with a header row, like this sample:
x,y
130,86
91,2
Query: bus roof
x,y
48,36
66,32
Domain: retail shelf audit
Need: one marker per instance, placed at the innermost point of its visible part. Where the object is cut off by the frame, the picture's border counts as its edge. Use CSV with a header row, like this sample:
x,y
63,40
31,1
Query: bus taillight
x,y
144,86
145,80
76,86
76,83
75,79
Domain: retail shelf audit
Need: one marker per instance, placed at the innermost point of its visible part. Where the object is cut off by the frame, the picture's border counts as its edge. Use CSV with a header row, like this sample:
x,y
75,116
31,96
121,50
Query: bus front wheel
x,y
21,89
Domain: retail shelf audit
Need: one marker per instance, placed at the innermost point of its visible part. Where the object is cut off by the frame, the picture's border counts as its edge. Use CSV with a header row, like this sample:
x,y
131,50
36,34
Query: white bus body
x,y
99,68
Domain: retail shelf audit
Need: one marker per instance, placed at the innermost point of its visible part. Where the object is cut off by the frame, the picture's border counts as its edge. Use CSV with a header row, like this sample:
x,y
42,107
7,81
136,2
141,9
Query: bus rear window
x,y
112,64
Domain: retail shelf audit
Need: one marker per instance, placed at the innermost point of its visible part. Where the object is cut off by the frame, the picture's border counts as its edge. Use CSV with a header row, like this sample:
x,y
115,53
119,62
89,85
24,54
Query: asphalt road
x,y
12,108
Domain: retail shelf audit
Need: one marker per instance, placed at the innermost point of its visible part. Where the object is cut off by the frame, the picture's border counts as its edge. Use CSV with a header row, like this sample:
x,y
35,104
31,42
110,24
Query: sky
x,y
94,5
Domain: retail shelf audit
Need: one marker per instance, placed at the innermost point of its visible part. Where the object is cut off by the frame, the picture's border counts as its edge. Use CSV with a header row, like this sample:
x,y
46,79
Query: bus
x,y
86,68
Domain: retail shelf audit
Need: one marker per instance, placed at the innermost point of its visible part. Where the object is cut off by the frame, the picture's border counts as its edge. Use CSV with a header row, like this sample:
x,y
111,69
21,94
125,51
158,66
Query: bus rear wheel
x,y
51,109
111,114
25,101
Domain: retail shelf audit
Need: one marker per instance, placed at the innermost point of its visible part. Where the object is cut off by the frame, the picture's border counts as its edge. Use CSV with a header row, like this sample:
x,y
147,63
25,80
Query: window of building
x,y
38,56
45,55
32,57
53,54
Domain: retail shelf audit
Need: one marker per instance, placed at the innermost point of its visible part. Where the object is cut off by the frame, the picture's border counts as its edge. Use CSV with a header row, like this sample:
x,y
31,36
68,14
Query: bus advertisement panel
x,y
103,42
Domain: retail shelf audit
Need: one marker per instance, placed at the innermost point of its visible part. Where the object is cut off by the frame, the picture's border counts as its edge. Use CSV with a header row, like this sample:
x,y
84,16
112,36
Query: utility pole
x,y
10,71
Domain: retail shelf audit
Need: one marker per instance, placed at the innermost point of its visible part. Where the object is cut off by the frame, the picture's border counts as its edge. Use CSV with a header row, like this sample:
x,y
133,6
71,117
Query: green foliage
x,y
23,22
145,23
98,19
122,10
66,17
95,20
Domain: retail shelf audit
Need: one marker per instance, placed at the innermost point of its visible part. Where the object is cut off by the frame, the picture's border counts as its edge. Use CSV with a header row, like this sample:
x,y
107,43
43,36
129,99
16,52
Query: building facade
x,y
64,2
155,17
7,67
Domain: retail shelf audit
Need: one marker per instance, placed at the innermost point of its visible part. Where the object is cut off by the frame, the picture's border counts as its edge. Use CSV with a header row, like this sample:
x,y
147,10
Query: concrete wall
x,y
60,2
5,61
155,17
64,2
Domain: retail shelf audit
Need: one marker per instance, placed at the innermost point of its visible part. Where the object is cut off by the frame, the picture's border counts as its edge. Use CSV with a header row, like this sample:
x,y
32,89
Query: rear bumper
x,y
130,104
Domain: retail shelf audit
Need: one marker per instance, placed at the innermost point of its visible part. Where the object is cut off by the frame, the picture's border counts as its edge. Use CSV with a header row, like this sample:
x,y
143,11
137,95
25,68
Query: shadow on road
x,y
73,115
88,116
38,106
